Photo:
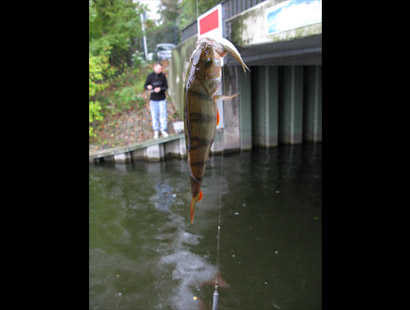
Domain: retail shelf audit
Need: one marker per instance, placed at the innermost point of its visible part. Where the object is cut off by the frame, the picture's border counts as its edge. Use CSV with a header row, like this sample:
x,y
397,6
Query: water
x,y
145,254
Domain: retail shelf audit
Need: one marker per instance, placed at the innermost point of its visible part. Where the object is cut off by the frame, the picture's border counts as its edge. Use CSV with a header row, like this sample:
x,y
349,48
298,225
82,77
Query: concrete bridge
x,y
280,100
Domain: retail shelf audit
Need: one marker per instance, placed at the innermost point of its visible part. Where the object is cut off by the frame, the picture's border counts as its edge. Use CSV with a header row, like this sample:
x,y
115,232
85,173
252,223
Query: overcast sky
x,y
153,7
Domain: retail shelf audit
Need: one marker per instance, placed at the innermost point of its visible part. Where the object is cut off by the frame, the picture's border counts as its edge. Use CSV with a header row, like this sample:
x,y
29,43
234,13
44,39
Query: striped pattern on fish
x,y
200,111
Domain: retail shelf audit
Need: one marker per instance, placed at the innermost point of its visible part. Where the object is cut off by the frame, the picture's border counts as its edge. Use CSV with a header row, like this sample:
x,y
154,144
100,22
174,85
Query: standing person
x,y
157,83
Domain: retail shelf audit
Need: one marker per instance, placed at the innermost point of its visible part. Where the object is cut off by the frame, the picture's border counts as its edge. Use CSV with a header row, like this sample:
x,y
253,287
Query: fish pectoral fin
x,y
222,97
225,97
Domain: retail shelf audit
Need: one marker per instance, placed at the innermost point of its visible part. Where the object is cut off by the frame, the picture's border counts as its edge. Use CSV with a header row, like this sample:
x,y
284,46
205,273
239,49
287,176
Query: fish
x,y
201,116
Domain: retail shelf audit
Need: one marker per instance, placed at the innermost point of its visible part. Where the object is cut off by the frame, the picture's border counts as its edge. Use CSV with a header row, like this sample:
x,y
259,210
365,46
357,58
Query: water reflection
x,y
191,272
164,197
145,254
188,269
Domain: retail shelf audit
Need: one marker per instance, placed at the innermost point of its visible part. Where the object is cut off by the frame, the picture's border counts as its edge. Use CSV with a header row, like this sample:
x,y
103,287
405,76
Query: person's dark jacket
x,y
157,80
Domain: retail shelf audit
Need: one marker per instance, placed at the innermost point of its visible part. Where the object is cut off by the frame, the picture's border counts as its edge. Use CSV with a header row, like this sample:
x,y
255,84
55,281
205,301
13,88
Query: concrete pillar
x,y
245,110
265,103
182,148
272,107
218,146
122,157
106,159
175,148
291,105
154,152
138,155
312,119
230,115
257,97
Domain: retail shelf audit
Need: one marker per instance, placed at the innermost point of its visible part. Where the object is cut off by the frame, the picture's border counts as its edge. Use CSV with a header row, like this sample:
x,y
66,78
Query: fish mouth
x,y
223,46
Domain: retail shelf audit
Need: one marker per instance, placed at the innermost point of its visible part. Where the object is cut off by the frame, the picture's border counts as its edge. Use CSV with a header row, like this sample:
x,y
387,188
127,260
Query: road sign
x,y
210,23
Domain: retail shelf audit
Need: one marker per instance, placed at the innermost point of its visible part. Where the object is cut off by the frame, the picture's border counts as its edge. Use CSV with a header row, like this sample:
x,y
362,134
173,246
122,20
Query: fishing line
x,y
218,238
219,215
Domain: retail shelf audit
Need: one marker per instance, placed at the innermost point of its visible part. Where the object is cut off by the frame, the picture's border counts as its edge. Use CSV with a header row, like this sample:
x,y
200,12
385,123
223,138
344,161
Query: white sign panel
x,y
210,23
293,14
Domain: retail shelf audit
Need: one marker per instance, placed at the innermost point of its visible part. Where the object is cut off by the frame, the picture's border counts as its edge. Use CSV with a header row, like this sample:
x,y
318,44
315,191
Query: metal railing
x,y
189,31
234,7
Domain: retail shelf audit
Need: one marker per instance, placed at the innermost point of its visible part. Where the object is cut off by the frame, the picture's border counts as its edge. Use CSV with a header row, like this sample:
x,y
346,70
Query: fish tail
x,y
193,201
192,210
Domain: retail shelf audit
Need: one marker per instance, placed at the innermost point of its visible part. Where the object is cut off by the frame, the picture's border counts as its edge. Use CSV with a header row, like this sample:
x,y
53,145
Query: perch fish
x,y
203,79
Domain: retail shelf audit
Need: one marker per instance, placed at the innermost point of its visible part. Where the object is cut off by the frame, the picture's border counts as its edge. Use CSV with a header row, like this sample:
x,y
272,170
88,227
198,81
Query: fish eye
x,y
208,62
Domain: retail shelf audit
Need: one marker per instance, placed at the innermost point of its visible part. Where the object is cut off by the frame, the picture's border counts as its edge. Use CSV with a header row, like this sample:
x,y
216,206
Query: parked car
x,y
163,51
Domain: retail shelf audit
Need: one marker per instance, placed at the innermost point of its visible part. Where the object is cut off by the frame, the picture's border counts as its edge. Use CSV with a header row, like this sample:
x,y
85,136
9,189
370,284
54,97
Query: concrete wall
x,y
249,27
245,109
291,105
178,66
265,106
312,117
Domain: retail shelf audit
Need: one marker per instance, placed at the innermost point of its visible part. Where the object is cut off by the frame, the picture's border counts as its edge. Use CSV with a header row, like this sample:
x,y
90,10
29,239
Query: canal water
x,y
145,254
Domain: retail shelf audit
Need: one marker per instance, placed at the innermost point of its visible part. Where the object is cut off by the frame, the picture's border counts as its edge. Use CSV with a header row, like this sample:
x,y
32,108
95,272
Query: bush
x,y
125,91
98,69
126,97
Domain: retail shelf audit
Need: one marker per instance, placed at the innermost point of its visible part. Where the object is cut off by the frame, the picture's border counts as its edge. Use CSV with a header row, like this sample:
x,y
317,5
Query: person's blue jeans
x,y
159,114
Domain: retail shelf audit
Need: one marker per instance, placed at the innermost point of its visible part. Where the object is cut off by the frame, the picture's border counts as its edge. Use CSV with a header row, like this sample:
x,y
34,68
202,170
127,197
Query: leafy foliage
x,y
114,25
98,65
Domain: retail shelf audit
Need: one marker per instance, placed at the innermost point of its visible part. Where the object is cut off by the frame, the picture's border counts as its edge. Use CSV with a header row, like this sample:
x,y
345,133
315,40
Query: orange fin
x,y
217,117
193,201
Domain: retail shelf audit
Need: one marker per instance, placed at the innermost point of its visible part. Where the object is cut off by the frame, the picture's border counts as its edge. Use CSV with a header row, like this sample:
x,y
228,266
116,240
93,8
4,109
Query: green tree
x,y
169,11
114,23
